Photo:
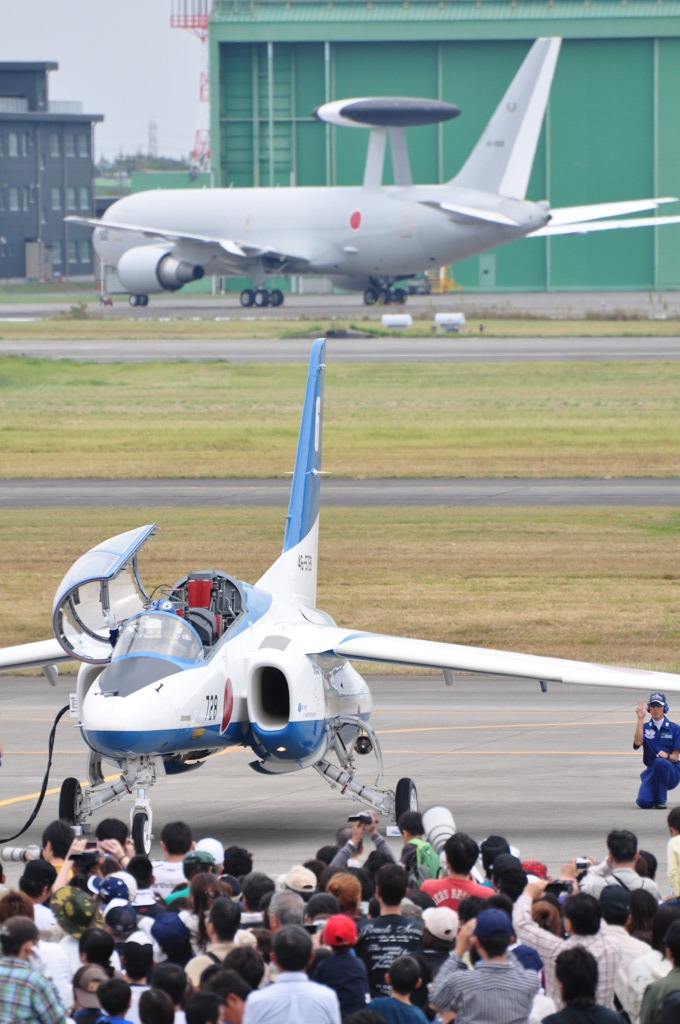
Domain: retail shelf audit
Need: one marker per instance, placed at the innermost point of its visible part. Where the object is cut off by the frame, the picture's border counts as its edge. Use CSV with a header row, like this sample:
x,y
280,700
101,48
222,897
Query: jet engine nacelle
x,y
150,268
287,711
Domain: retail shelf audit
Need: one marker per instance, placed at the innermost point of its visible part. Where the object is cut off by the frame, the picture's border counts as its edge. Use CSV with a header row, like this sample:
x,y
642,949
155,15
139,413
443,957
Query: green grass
x,y
222,419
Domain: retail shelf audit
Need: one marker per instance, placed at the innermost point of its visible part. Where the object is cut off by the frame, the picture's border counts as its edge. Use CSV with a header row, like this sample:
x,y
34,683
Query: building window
x,y
83,144
72,251
13,144
56,252
56,198
23,138
84,197
85,251
71,197
55,148
13,198
70,144
25,197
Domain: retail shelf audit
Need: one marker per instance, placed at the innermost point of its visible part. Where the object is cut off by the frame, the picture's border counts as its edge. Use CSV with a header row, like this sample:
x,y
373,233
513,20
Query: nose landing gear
x,y
384,295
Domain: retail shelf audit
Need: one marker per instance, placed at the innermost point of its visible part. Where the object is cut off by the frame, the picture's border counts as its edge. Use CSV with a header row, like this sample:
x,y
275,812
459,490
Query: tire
x,y
399,296
370,297
141,832
247,297
133,300
405,797
70,801
384,297
261,298
276,298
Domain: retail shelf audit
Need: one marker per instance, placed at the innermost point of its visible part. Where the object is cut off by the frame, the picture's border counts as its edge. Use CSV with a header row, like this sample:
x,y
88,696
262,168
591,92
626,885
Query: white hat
x,y
129,881
442,922
213,847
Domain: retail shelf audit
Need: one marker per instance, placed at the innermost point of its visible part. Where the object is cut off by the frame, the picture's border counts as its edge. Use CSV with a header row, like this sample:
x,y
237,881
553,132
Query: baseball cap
x,y
442,922
86,981
169,930
300,880
614,897
39,871
339,930
120,917
657,698
493,923
200,857
129,880
535,867
213,847
111,888
75,910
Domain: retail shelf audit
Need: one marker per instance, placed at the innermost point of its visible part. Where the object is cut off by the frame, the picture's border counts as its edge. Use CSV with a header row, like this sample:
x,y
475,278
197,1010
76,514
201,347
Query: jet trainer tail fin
x,y
501,161
294,572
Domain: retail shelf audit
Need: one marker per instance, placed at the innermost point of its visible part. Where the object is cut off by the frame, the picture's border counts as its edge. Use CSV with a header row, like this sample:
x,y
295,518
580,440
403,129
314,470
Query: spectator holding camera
x,y
583,927
618,868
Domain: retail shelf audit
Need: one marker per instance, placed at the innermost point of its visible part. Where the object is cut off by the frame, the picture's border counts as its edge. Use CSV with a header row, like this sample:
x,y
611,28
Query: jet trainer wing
x,y
457,657
233,250
34,655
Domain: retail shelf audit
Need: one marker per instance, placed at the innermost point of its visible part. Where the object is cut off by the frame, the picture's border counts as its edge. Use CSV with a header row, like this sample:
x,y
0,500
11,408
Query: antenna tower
x,y
193,16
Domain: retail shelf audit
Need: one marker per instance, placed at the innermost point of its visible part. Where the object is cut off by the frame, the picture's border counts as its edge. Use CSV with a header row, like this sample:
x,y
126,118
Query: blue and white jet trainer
x,y
215,662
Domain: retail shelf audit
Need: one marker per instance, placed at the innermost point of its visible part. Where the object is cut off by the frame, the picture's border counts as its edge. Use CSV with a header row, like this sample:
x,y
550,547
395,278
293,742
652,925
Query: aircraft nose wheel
x,y
70,801
405,797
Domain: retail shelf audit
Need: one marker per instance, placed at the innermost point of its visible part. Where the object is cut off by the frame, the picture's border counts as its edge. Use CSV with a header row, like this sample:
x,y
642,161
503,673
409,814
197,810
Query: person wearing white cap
x,y
215,848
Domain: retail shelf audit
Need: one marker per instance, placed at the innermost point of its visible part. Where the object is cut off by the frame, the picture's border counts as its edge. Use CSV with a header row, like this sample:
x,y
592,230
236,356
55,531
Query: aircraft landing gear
x,y
138,300
260,298
385,801
139,774
384,296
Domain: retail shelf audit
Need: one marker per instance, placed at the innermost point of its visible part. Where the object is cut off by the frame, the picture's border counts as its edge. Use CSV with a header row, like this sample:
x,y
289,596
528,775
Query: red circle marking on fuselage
x,y
228,705
355,220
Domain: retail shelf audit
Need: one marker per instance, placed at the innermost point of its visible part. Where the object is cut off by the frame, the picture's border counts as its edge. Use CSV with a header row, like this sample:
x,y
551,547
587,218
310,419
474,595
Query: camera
x,y
582,863
20,853
365,817
559,888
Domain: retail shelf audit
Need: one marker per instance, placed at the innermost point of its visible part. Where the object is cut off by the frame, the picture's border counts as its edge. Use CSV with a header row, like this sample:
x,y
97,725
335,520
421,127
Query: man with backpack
x,y
418,856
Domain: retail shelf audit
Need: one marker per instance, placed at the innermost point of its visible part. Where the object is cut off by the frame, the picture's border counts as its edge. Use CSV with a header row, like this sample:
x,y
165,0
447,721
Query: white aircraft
x,y
365,238
213,662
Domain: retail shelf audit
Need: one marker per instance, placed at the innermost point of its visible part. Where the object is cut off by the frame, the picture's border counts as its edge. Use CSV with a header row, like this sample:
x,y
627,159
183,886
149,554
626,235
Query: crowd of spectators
x,y
96,932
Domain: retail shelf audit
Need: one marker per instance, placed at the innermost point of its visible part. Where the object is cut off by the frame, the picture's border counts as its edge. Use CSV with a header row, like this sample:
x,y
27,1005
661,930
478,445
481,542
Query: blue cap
x,y
658,698
493,923
111,888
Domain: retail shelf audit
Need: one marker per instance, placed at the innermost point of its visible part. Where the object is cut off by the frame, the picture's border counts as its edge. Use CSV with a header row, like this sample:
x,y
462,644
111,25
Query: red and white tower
x,y
193,15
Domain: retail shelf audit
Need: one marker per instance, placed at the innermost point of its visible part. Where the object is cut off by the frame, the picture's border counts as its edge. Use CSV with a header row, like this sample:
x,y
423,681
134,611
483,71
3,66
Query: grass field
x,y
599,584
382,419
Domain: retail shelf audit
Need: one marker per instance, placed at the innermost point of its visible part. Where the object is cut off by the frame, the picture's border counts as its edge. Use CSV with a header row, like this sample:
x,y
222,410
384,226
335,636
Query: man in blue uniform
x,y
660,740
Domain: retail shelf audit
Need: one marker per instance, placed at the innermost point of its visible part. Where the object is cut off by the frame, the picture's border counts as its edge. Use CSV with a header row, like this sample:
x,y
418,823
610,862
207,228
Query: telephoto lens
x,y
20,853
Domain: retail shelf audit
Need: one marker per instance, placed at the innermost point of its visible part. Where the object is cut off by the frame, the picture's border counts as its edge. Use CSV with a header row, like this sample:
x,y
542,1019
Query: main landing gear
x,y
261,297
139,774
138,300
384,296
386,801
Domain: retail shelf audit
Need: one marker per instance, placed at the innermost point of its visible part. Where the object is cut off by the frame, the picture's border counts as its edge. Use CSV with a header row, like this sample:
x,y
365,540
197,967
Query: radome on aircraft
x,y
364,238
212,662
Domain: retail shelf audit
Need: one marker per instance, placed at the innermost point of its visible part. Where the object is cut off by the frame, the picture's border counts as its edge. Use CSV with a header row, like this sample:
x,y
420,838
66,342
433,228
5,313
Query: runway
x,y
52,493
552,772
296,350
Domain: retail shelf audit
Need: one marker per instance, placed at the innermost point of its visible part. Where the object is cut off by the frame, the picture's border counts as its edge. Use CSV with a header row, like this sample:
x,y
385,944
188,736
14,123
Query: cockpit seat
x,y
205,623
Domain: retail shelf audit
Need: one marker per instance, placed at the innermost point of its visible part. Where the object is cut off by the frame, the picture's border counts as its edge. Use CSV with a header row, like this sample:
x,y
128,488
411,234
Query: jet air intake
x,y
150,268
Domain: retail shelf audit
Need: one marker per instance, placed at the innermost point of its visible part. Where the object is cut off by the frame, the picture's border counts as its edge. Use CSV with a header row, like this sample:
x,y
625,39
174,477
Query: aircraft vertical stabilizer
x,y
295,571
503,157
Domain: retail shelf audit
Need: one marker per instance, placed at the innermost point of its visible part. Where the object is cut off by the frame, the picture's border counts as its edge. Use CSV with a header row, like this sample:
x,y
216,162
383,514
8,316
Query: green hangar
x,y
611,131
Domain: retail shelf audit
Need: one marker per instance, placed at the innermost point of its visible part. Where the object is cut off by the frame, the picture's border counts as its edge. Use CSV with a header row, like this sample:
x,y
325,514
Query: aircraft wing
x,y
473,213
585,227
234,251
456,657
35,655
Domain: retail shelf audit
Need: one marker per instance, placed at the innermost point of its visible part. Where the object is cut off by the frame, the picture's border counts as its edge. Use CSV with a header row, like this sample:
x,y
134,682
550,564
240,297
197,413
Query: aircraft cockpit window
x,y
160,634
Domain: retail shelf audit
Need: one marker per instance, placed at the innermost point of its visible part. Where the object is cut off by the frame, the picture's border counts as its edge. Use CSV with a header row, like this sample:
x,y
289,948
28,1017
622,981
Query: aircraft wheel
x,y
70,801
276,298
399,296
384,297
141,832
262,297
405,797
143,300
247,297
133,300
370,297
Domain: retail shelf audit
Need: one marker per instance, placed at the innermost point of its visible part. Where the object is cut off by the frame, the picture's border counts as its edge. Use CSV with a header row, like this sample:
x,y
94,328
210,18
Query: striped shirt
x,y
602,945
496,992
25,995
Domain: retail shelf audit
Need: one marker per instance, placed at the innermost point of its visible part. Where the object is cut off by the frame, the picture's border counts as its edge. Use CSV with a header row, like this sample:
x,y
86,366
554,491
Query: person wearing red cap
x,y
343,972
